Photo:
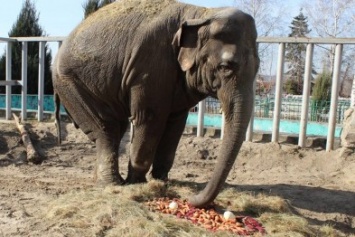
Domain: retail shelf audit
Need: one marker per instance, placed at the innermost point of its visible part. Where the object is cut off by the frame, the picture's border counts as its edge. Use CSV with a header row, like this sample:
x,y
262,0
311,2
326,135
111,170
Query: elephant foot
x,y
107,174
163,176
108,180
135,178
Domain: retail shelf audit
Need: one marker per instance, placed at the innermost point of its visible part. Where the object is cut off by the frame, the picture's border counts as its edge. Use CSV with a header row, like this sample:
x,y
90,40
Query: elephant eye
x,y
227,68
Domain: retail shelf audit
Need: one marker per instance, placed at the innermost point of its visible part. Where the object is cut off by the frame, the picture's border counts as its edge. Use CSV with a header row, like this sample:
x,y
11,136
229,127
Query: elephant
x,y
146,63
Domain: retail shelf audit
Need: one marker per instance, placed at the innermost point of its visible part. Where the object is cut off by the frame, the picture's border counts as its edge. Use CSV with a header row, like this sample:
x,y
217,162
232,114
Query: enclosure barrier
x,y
338,42
9,81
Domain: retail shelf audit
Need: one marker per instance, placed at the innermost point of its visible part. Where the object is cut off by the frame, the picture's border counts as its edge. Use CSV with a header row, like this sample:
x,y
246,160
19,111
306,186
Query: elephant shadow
x,y
315,199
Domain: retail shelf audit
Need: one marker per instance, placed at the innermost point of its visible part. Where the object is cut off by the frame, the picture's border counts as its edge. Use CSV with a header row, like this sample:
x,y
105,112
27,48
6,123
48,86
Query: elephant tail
x,y
57,117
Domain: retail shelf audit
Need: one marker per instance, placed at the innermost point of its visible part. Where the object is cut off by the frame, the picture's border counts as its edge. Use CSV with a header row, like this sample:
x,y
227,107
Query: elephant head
x,y
219,56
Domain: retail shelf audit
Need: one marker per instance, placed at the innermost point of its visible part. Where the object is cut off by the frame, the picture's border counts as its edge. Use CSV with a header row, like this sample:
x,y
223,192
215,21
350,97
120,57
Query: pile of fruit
x,y
208,218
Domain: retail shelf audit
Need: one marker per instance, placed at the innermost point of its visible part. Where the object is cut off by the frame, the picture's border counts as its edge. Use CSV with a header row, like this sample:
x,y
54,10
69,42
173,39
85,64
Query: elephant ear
x,y
186,39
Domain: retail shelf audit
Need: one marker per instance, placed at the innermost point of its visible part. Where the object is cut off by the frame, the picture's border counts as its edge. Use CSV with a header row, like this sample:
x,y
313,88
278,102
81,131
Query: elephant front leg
x,y
165,154
106,170
144,142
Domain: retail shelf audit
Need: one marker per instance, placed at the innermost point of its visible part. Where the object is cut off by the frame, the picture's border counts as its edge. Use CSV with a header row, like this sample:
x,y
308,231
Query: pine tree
x,y
27,25
295,54
93,5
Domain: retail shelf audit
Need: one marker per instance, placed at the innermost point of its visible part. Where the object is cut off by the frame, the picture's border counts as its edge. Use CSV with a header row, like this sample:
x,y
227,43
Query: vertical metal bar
x,y
41,79
201,114
8,78
24,81
249,134
334,97
352,100
222,125
305,96
278,94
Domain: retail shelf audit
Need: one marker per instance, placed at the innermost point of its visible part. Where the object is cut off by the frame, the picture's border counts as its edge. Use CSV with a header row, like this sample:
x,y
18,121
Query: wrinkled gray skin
x,y
149,65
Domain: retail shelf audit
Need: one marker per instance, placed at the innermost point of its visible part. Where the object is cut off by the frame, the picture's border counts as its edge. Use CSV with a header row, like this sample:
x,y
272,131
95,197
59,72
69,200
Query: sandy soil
x,y
319,185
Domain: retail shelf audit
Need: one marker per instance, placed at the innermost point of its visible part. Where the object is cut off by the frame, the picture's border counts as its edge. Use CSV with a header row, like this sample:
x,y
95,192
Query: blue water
x,y
265,125
32,103
210,120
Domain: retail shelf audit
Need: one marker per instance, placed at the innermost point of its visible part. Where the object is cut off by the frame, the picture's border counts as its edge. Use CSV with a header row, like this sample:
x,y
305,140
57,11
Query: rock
x,y
348,132
202,154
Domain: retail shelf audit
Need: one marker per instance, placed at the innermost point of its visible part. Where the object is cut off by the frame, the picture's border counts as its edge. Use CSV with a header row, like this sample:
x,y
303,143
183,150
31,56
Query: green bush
x,y
321,95
321,89
292,87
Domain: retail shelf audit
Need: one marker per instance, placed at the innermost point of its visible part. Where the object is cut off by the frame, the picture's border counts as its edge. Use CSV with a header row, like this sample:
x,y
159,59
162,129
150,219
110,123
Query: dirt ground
x,y
319,185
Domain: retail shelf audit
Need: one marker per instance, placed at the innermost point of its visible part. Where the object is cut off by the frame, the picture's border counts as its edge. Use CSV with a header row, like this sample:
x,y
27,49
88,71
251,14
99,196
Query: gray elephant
x,y
148,63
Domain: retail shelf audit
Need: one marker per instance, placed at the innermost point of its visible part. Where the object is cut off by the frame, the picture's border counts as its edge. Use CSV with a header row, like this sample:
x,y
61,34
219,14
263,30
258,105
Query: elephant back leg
x,y
96,120
107,165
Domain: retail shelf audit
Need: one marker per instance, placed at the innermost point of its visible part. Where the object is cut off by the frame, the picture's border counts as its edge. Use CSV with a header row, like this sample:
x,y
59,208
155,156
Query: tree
x,y
295,54
331,18
267,17
27,25
268,21
93,5
337,19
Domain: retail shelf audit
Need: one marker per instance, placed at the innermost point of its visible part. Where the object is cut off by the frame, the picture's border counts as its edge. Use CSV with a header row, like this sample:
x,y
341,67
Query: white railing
x,y
9,82
338,42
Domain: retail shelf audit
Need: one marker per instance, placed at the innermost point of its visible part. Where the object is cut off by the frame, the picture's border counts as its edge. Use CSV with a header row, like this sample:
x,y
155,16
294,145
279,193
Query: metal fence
x,y
31,103
275,108
291,108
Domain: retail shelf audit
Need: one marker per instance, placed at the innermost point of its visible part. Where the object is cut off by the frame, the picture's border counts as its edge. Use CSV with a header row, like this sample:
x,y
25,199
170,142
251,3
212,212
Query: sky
x,y
59,17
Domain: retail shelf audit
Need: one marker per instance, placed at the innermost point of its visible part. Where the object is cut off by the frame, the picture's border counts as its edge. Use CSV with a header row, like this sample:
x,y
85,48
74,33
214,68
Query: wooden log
x,y
32,154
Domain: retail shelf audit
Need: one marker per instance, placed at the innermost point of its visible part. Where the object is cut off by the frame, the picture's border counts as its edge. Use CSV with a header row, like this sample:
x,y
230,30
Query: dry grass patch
x,y
251,204
119,211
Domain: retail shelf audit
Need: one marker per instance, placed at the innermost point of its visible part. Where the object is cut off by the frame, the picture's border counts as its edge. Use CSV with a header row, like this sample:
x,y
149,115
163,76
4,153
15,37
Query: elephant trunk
x,y
237,113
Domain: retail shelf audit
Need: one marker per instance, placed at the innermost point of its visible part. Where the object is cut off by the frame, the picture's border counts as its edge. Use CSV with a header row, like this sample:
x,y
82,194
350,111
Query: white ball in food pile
x,y
173,205
228,215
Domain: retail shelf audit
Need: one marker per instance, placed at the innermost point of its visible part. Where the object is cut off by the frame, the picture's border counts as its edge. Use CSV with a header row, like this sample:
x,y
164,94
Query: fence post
x,y
249,134
352,98
305,96
278,94
8,78
334,97
24,81
201,113
222,125
41,65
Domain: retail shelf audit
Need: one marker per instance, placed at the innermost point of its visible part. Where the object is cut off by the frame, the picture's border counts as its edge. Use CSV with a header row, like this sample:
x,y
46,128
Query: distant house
x,y
265,84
